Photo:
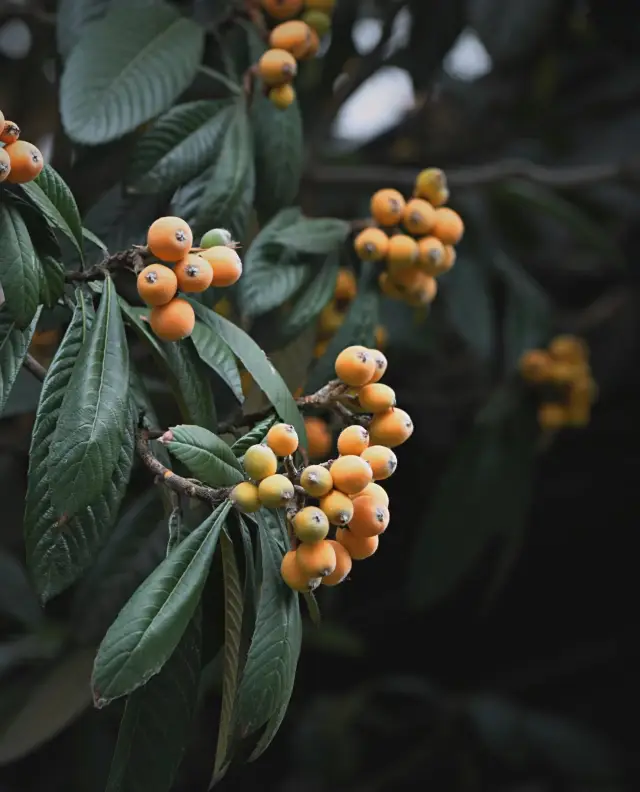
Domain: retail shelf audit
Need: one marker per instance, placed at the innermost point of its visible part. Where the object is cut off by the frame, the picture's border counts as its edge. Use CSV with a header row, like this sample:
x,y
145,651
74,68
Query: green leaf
x,y
256,363
151,624
50,193
269,673
179,146
94,239
494,470
20,271
208,457
312,300
127,67
52,282
157,720
317,235
72,17
17,597
216,354
14,344
91,423
256,435
278,154
268,283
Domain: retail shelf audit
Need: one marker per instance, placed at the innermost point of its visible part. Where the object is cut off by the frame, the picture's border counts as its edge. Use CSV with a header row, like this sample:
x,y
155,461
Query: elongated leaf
x,y
179,146
14,344
156,722
52,281
312,300
72,17
216,354
127,68
49,192
278,155
95,240
270,282
265,375
91,424
256,435
207,456
269,674
151,624
20,271
318,235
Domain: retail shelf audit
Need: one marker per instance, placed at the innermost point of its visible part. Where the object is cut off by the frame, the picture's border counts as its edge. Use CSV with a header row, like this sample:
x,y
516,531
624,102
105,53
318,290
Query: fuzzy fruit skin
x,y
338,507
448,226
275,491
431,256
282,439
419,217
375,491
244,497
353,440
313,48
382,460
277,66
318,437
194,274
311,524
369,518
358,547
381,365
355,366
169,238
173,321
376,397
26,162
10,132
5,165
351,474
282,96
283,9
431,184
293,36
157,284
226,264
316,481
344,565
387,207
391,428
317,559
216,237
402,252
371,244
293,576
259,462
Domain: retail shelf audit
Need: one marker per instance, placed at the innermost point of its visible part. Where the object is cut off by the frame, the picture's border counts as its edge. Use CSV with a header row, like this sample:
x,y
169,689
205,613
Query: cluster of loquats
x,y
414,238
183,268
562,377
20,161
297,38
339,497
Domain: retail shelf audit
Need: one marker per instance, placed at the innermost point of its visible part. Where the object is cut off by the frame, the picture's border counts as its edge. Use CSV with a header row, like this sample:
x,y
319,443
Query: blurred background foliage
x,y
489,647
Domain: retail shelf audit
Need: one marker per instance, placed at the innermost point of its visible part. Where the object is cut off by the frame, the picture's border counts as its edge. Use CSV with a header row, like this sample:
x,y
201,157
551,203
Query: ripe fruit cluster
x,y
297,38
181,267
415,238
341,495
20,161
562,377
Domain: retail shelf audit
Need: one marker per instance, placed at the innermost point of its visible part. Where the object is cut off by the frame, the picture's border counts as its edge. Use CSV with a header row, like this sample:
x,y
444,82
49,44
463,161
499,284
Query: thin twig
x,y
37,369
131,259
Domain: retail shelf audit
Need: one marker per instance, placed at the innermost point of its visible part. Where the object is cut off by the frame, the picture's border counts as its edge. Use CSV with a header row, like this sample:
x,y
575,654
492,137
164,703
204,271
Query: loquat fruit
x,y
337,506
353,440
317,559
382,460
424,294
316,481
246,382
226,265
277,66
448,226
5,165
388,288
408,280
26,162
331,319
552,416
369,518
391,428
381,365
431,184
314,46
275,491
320,348
293,576
283,9
376,397
157,284
173,321
320,5
282,96
194,274
535,365
358,547
293,36
355,366
346,287
578,408
282,439
419,217
569,349
1,118
10,132
318,437
244,497
169,238
562,373
311,524
381,337
402,252
431,255
387,207
375,491
216,237
343,565
259,462
450,256
371,244
351,474
319,21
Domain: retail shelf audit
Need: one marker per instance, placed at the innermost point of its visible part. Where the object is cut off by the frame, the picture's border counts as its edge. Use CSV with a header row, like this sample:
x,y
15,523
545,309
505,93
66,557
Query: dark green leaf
x,y
208,457
317,235
181,144
270,282
151,624
14,344
216,354
312,299
91,422
127,68
52,282
72,17
20,271
256,435
94,239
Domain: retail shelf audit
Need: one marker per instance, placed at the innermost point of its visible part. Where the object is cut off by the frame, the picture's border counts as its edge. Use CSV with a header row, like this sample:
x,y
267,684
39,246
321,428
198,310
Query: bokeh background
x,y
518,673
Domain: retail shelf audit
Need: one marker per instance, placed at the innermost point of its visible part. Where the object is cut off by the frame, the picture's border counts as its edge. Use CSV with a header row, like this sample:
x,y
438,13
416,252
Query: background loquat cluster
x,y
414,238
303,23
20,161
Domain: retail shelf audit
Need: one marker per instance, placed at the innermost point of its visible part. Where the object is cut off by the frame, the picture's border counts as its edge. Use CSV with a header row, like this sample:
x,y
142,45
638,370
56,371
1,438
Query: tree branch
x,y
37,369
132,259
